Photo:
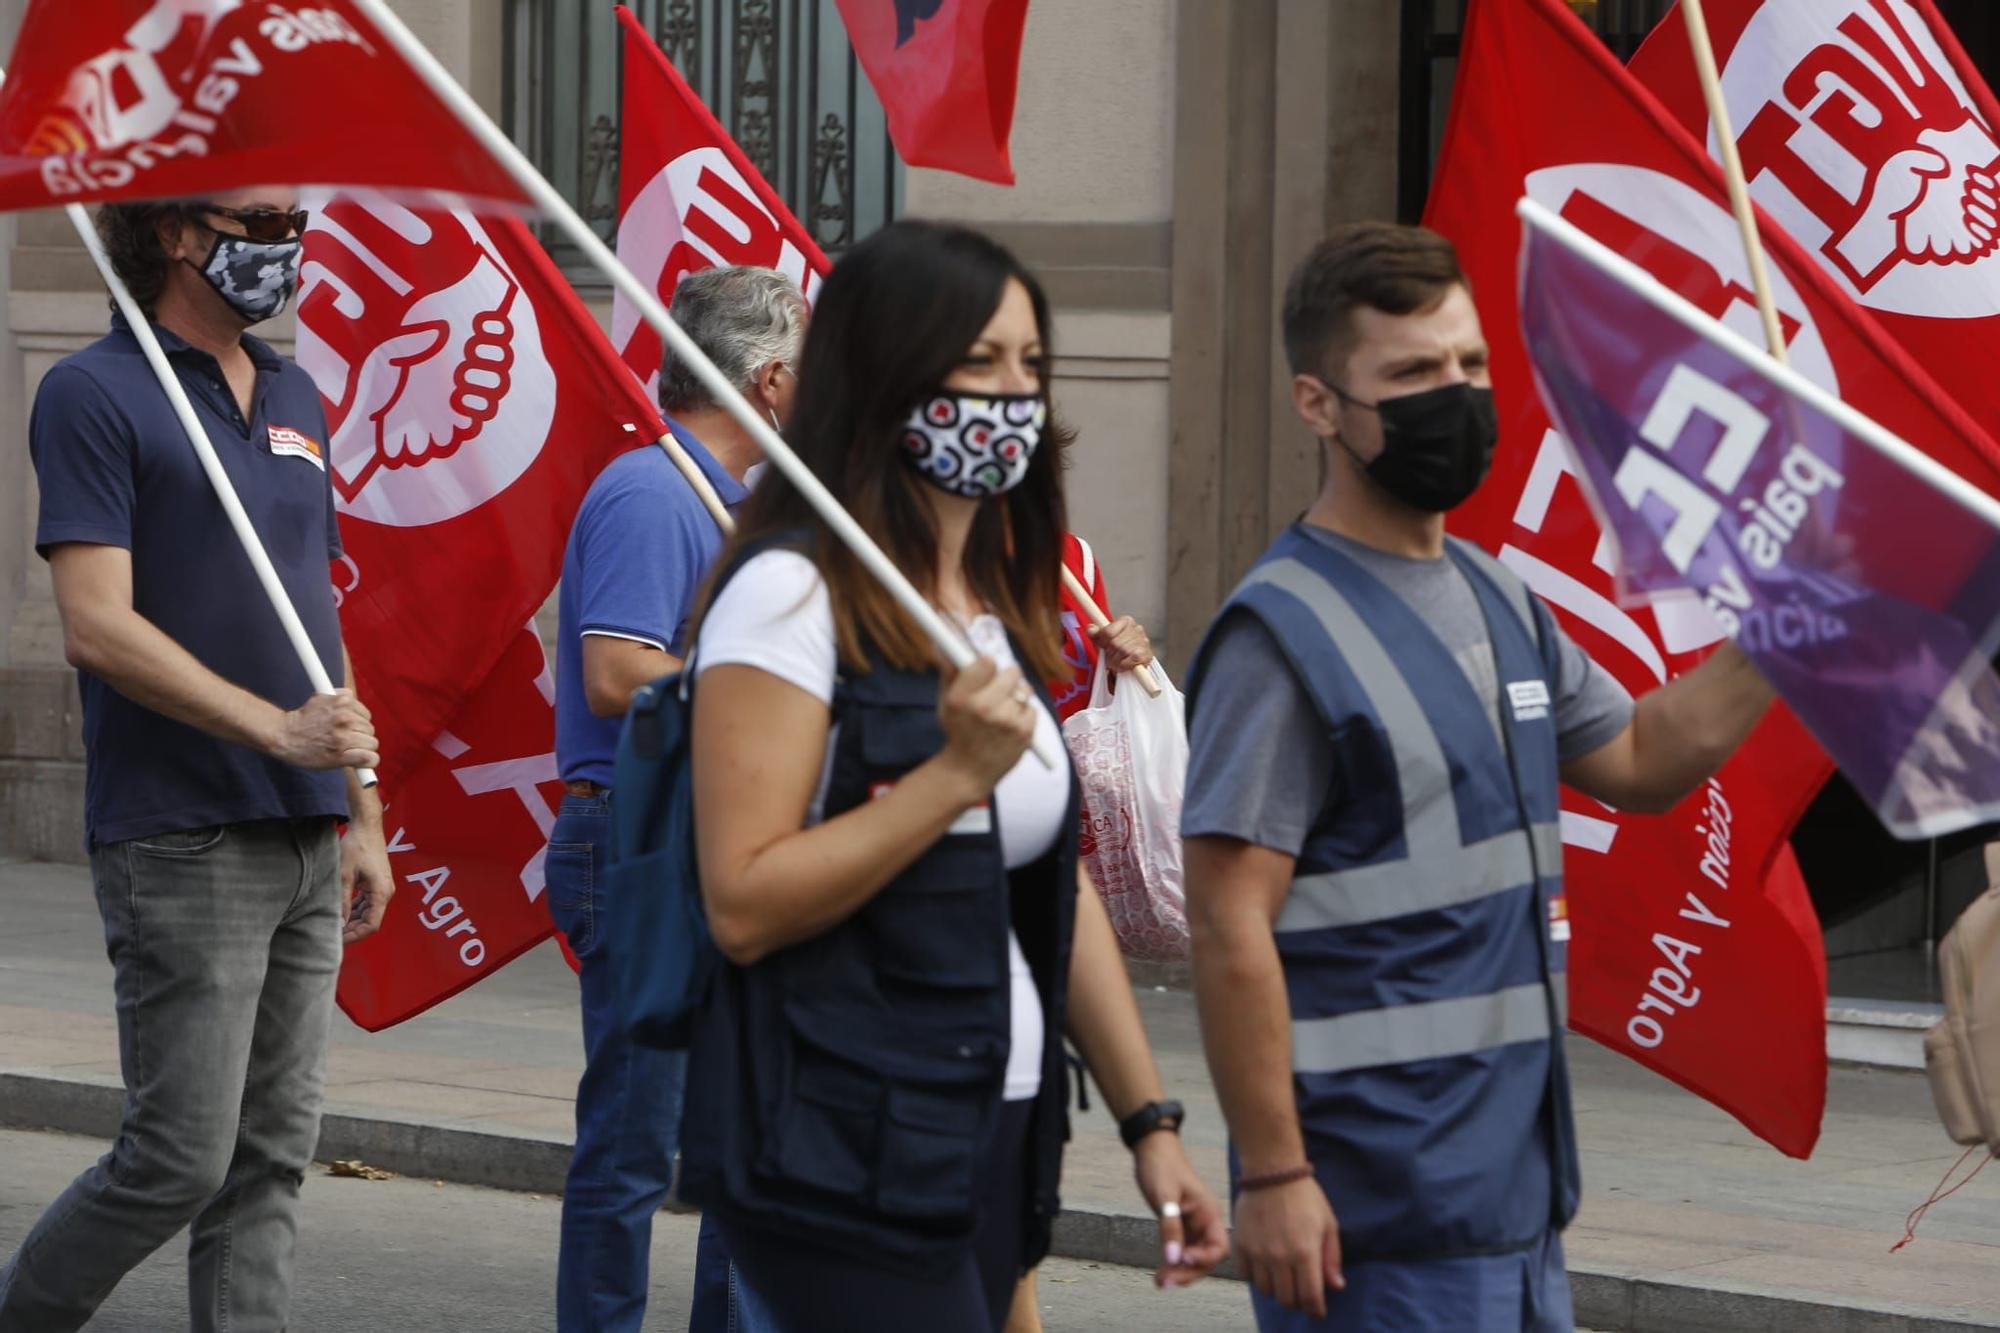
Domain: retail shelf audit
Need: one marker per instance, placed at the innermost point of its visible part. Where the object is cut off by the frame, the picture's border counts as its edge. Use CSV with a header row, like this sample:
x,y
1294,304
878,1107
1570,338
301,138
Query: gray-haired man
x,y
641,546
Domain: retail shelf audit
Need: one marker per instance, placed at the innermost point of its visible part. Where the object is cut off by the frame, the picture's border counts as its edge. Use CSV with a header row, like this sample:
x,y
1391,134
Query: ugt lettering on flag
x,y
1862,577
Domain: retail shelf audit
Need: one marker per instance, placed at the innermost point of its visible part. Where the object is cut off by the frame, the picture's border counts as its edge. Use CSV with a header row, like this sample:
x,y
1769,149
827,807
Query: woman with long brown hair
x,y
876,1104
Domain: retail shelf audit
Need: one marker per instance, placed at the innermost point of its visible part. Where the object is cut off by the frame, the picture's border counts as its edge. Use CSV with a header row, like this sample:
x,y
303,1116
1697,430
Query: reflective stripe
x,y
1559,983
1509,583
1429,1031
1437,868
1548,840
1394,888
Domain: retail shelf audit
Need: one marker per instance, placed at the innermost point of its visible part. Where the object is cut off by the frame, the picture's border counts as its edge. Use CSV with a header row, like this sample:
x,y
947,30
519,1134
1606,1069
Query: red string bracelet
x,y
1274,1179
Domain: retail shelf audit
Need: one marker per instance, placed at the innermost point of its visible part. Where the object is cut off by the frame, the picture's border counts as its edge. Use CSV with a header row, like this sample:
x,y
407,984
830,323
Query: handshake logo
x,y
1867,143
430,355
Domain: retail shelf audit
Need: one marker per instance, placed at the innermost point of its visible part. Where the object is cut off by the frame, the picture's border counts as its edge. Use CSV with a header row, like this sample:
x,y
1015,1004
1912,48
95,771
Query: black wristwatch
x,y
1149,1118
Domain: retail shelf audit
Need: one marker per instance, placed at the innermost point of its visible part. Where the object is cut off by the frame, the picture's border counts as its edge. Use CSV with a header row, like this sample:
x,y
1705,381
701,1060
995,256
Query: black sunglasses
x,y
268,225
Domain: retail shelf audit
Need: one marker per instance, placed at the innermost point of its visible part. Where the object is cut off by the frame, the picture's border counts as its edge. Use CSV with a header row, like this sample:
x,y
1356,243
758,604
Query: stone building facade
x,y
1173,158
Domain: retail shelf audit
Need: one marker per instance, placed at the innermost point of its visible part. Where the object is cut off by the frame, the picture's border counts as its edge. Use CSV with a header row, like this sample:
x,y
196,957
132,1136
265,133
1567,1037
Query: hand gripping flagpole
x,y
253,545
1099,618
950,642
1732,170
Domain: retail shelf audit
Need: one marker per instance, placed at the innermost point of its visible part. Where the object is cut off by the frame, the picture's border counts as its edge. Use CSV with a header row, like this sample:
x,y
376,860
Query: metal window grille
x,y
778,74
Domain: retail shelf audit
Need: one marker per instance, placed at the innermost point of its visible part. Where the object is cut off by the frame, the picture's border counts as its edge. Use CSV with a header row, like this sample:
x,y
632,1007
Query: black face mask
x,y
1436,445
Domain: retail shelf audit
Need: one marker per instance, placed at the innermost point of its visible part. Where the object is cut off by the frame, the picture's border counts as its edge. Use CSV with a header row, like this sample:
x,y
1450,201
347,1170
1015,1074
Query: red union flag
x,y
131,99
468,828
946,72
1695,948
1868,135
471,400
688,199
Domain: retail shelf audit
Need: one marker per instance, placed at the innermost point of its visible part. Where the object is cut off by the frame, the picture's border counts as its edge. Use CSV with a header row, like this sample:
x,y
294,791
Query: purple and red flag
x,y
1723,477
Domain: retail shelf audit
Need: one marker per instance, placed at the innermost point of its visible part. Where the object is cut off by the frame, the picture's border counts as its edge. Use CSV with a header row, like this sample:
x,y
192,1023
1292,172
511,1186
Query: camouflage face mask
x,y
257,278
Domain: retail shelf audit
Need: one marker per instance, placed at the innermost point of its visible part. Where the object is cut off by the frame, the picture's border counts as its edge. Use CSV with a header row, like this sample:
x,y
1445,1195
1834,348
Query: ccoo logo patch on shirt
x,y
288,443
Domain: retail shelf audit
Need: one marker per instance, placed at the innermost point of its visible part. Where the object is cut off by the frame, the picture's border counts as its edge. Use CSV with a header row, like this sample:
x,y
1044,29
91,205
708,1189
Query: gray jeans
x,y
226,944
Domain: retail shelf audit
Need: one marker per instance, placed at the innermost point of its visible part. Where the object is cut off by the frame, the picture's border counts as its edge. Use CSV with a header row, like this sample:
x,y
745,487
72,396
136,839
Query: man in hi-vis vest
x,y
1380,718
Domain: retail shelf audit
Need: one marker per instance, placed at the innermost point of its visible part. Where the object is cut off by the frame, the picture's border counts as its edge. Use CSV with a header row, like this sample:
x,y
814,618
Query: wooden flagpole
x,y
1099,619
950,642
232,506
1732,167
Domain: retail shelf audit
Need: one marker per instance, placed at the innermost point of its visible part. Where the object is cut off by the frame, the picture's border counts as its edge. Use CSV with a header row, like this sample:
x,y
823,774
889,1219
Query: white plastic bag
x,y
1131,754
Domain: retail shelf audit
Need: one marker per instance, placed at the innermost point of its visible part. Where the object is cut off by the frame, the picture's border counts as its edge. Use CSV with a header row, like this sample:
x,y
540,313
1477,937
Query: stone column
x,y
1285,121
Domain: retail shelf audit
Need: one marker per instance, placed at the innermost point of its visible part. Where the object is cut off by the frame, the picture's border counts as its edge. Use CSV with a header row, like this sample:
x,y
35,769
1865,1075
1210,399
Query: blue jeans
x,y
1526,1291
628,1117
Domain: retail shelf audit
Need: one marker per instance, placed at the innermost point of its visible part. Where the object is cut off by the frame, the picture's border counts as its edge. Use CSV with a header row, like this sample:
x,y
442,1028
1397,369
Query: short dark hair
x,y
1396,269
131,236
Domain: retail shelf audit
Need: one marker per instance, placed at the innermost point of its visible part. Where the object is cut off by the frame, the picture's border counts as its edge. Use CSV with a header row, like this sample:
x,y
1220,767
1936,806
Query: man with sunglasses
x,y
215,779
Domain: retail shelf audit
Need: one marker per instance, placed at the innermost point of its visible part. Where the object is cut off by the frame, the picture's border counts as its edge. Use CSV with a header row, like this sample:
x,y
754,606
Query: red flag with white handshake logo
x,y
1868,135
1695,947
688,199
471,400
150,99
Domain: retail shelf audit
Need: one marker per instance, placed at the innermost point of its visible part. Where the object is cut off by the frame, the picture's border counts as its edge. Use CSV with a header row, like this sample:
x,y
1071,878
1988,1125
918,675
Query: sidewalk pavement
x,y
1688,1222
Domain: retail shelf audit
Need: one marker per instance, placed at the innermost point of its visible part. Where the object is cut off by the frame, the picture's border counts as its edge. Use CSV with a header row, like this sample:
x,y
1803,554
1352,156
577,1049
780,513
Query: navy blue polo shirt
x,y
637,555
116,469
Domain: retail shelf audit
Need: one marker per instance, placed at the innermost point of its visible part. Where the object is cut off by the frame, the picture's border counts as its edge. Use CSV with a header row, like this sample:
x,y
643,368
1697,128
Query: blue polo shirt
x,y
642,544
116,469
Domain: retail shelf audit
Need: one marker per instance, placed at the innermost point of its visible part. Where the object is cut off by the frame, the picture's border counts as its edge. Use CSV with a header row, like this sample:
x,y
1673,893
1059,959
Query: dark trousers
x,y
226,945
1526,1291
809,1289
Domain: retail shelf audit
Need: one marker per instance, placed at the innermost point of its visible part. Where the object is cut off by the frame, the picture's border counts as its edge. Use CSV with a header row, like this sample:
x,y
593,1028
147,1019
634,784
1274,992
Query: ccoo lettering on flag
x,y
1714,469
1738,1014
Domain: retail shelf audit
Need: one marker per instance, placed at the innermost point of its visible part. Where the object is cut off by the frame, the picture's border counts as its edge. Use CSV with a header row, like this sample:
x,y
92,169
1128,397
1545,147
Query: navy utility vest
x,y
1421,955
844,1089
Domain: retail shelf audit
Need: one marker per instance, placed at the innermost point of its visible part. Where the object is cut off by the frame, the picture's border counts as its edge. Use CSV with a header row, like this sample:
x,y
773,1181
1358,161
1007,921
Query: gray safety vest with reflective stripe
x,y
1422,955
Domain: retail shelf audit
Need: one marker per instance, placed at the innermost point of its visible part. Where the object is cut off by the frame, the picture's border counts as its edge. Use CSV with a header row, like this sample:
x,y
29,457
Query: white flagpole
x,y
1683,312
1732,170
552,205
253,545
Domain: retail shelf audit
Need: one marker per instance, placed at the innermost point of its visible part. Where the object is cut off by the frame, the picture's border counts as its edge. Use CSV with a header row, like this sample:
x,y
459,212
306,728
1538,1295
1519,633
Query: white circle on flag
x,y
1696,229
454,399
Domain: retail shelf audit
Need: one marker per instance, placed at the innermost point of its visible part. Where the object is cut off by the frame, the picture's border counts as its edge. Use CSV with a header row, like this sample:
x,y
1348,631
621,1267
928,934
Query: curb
x,y
467,1155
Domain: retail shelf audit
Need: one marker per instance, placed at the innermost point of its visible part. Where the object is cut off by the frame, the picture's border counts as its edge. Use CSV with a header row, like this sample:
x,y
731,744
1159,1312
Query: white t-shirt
x,y
775,615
